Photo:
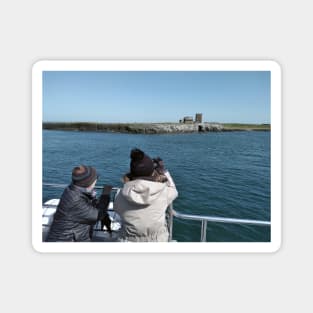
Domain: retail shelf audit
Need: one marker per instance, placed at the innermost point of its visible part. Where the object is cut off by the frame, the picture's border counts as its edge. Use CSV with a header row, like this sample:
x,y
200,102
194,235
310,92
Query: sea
x,y
223,174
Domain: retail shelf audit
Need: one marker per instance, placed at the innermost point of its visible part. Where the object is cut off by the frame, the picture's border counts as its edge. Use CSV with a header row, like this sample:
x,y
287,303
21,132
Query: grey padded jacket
x,y
77,212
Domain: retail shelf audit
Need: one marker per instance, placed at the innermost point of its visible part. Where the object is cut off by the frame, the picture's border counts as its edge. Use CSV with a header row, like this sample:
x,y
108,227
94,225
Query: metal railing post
x,y
203,231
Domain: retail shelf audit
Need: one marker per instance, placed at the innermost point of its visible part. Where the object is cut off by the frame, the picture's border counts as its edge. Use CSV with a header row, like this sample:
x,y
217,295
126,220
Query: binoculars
x,y
156,161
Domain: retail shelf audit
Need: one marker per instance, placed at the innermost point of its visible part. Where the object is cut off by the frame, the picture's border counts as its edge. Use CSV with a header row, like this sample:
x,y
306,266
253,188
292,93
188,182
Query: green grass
x,y
237,126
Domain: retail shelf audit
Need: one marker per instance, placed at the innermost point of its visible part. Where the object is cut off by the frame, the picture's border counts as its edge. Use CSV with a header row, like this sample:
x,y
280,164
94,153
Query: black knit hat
x,y
140,164
83,175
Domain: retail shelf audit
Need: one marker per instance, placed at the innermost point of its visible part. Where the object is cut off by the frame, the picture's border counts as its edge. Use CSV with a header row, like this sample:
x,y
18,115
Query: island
x,y
185,125
154,128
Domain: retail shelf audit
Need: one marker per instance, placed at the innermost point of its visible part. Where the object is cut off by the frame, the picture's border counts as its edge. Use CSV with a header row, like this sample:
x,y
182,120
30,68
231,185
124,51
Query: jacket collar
x,y
83,190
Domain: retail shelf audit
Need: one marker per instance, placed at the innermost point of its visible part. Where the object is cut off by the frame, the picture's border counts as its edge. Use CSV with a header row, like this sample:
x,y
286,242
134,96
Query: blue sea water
x,y
220,174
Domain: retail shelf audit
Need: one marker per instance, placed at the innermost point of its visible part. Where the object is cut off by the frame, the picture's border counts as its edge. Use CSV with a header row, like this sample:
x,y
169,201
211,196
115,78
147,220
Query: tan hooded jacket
x,y
142,205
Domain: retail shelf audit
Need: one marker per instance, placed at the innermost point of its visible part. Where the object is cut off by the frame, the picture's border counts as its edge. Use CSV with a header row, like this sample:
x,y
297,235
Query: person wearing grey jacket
x,y
142,202
79,209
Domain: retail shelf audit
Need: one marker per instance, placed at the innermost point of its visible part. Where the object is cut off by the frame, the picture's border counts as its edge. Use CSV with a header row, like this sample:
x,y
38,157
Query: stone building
x,y
198,118
188,120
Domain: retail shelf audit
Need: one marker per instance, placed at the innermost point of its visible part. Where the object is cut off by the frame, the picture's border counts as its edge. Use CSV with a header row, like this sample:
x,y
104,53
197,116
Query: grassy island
x,y
154,128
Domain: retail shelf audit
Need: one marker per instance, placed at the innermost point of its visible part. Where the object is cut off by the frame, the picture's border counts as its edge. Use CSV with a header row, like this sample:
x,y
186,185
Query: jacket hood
x,y
142,192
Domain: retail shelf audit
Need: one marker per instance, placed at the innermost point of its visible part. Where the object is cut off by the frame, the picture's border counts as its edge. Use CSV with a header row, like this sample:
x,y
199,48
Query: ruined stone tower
x,y
198,118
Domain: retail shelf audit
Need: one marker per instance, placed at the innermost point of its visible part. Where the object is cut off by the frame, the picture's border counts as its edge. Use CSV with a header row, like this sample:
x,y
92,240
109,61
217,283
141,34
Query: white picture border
x,y
156,65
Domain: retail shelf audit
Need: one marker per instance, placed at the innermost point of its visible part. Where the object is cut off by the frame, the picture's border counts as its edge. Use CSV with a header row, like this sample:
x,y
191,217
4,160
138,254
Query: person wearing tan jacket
x,y
142,202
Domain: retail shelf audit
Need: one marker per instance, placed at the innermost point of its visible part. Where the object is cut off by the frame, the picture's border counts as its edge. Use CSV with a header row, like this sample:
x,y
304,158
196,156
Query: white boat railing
x,y
205,219
64,186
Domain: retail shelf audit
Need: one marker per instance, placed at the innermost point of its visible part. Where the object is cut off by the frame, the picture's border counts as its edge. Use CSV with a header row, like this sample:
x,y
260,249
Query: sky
x,y
156,96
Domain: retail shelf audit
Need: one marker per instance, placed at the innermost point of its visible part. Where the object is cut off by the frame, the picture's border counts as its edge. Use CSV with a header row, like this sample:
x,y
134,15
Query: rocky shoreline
x,y
155,128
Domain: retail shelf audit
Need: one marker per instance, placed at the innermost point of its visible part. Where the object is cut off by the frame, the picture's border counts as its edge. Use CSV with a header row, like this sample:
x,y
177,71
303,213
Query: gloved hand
x,y
107,189
106,221
159,165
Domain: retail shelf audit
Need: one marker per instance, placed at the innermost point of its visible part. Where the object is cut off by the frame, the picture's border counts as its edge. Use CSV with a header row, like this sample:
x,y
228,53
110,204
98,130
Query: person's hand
x,y
106,221
159,165
107,189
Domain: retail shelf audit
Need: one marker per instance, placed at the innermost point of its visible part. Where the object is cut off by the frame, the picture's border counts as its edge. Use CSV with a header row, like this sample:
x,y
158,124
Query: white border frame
x,y
157,65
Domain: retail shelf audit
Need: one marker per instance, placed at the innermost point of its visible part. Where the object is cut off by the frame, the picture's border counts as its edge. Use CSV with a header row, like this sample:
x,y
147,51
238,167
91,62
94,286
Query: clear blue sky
x,y
80,96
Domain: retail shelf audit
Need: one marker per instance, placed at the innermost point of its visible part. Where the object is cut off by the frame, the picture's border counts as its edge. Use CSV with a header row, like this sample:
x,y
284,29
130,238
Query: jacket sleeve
x,y
89,213
85,213
172,191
